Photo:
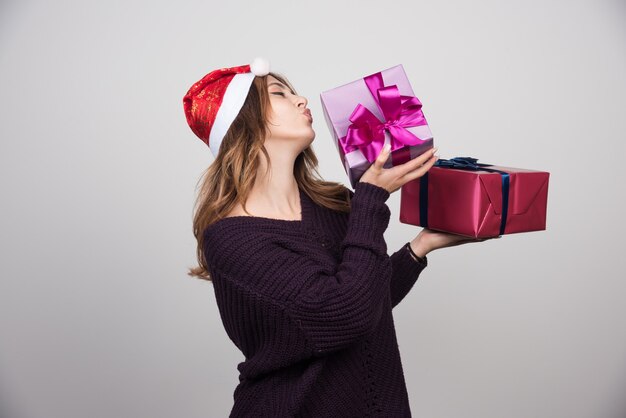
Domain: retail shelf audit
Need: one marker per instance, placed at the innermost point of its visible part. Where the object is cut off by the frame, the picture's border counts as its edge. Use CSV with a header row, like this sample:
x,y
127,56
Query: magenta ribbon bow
x,y
367,133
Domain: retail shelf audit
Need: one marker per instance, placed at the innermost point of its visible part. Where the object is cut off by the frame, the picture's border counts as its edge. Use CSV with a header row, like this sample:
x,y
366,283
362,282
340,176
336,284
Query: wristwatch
x,y
415,256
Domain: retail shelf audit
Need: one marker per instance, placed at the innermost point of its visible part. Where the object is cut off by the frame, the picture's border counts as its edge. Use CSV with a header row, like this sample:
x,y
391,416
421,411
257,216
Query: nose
x,y
301,101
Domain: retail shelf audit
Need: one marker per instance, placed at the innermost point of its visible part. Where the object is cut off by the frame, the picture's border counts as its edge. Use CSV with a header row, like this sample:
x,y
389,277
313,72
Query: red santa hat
x,y
212,104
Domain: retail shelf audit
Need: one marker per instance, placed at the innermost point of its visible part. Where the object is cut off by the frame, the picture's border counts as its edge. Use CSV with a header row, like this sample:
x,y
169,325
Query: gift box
x,y
368,113
477,200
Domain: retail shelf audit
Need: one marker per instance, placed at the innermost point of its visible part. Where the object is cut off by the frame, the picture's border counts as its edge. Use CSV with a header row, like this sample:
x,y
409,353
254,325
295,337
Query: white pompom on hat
x,y
260,67
212,103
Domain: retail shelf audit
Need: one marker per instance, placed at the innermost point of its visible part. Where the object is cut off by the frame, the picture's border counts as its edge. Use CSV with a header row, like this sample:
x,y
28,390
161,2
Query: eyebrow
x,y
281,85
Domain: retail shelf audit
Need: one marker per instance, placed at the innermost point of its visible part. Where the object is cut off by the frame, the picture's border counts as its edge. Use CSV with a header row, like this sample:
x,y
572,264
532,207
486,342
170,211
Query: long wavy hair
x,y
231,176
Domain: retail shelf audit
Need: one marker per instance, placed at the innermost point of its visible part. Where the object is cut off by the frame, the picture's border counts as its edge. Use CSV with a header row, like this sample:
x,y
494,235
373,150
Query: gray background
x,y
99,169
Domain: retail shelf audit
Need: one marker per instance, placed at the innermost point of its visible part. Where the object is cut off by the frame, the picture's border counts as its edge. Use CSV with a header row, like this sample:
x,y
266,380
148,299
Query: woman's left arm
x,y
405,272
406,268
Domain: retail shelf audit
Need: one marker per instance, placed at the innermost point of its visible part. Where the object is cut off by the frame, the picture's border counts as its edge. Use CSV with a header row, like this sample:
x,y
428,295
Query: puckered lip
x,y
307,112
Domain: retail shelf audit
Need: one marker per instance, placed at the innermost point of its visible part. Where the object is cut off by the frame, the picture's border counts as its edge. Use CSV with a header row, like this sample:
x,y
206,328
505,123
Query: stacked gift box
x,y
459,195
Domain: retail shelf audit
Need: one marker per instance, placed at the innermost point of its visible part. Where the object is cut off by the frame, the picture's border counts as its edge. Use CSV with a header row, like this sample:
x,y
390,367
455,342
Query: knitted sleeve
x,y
337,309
405,272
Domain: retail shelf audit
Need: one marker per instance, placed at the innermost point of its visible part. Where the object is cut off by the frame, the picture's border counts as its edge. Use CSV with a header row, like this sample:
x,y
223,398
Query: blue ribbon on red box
x,y
464,163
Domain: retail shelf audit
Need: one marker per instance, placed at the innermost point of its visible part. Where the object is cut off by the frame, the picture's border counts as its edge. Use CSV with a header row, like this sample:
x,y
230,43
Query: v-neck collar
x,y
305,214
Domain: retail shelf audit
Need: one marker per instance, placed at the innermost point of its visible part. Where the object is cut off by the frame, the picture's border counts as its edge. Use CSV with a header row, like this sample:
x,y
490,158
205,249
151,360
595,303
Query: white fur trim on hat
x,y
234,97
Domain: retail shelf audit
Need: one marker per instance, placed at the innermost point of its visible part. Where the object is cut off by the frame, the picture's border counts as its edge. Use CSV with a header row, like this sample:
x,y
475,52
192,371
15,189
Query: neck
x,y
276,192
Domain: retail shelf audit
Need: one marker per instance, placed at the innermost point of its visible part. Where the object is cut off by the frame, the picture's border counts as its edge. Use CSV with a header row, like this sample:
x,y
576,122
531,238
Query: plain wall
x,y
98,175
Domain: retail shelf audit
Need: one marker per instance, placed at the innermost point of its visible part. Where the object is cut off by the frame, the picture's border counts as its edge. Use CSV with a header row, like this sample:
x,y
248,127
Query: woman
x,y
302,279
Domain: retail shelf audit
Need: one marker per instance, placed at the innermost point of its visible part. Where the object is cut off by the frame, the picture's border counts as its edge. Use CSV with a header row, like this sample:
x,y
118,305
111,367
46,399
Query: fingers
x,y
420,171
421,159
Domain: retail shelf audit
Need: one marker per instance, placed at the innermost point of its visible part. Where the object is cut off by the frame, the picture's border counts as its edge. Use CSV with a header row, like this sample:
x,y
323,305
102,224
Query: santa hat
x,y
212,104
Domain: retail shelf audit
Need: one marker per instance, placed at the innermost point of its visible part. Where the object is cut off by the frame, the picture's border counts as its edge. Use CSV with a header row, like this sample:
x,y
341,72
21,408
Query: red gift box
x,y
470,201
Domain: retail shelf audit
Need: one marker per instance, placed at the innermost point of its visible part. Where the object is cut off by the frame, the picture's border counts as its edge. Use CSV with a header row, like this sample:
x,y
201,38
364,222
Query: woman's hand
x,y
393,178
428,240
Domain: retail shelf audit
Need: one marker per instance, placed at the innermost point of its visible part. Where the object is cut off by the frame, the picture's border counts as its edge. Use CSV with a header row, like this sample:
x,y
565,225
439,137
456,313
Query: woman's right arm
x,y
334,310
333,307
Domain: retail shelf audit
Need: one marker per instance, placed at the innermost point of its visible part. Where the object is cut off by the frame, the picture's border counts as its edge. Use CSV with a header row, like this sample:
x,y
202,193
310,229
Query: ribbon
x,y
464,163
367,133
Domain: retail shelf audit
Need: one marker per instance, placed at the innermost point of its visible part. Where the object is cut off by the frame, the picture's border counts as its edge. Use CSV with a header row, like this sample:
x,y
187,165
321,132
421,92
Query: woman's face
x,y
289,120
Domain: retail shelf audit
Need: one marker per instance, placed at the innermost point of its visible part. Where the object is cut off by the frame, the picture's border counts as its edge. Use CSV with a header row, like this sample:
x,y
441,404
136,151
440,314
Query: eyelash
x,y
282,94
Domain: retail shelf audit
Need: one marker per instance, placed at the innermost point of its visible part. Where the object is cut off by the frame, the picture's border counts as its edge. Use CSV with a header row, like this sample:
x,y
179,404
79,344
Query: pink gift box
x,y
470,203
373,111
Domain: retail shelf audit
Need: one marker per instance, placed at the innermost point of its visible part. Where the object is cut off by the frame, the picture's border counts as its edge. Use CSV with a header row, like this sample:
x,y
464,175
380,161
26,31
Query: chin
x,y
309,141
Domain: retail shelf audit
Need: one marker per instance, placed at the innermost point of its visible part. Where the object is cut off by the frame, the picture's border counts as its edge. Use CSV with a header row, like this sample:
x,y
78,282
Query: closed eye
x,y
282,94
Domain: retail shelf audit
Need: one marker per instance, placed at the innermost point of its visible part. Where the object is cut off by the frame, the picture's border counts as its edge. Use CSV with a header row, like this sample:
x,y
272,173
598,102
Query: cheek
x,y
281,114
275,110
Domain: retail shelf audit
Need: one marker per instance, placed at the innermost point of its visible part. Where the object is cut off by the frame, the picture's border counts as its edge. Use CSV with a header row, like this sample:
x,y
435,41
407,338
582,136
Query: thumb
x,y
383,156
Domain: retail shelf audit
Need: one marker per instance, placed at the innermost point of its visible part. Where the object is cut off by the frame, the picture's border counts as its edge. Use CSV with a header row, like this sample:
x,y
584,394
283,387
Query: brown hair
x,y
229,179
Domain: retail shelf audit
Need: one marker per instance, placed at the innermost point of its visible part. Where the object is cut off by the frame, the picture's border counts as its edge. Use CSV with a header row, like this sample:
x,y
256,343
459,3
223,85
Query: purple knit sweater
x,y
309,304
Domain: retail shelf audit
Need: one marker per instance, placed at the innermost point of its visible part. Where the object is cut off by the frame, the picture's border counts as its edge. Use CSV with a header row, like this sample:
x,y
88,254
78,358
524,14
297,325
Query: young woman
x,y
302,279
